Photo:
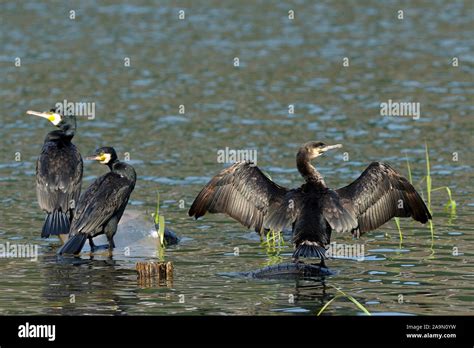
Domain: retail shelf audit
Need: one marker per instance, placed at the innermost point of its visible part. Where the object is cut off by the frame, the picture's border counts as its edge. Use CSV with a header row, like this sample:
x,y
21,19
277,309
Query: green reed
x,y
344,295
160,222
450,205
273,243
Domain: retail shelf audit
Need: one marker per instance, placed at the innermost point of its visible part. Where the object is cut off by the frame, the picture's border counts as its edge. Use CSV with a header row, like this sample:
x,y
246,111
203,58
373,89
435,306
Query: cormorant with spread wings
x,y
313,210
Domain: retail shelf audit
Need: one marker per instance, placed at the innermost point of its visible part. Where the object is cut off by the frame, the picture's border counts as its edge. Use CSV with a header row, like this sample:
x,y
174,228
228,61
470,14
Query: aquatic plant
x,y
274,239
397,222
273,245
410,178
427,179
160,223
451,202
349,297
450,205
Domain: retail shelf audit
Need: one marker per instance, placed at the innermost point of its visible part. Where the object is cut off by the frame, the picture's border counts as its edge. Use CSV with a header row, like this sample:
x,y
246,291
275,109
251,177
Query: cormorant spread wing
x,y
244,193
379,194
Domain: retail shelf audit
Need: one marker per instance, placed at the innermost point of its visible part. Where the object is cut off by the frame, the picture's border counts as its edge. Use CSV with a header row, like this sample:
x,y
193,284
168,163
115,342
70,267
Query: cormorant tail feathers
x,y
310,249
73,245
56,223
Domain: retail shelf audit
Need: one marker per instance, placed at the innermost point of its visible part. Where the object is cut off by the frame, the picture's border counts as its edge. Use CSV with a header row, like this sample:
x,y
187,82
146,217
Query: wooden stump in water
x,y
151,272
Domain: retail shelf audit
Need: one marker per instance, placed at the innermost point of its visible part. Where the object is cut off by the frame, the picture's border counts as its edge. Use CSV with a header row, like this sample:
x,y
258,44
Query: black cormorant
x,y
58,174
313,210
101,206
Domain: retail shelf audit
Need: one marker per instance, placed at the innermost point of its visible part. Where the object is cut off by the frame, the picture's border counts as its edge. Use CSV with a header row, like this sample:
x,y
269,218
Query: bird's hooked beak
x,y
53,117
102,158
330,147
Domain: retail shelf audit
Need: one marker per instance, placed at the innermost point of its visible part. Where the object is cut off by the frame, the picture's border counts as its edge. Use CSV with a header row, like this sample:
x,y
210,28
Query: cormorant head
x,y
315,149
66,123
105,155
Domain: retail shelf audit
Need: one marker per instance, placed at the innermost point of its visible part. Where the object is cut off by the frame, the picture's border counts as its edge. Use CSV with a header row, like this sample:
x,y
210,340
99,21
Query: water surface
x,y
190,62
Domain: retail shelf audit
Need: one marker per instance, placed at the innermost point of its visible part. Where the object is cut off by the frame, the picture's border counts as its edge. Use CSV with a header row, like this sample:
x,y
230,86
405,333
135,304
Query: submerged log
x,y
291,270
151,272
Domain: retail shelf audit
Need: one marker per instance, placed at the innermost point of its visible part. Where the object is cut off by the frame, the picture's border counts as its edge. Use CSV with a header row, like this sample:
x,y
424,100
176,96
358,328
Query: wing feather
x,y
58,177
244,193
96,205
379,194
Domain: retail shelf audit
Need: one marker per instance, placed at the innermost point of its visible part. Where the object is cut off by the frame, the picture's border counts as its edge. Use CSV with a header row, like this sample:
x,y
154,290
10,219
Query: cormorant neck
x,y
124,170
114,165
68,126
59,135
309,172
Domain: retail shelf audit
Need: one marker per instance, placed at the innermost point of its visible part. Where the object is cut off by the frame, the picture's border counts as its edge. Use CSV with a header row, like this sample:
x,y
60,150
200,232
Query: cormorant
x,y
101,206
58,174
313,210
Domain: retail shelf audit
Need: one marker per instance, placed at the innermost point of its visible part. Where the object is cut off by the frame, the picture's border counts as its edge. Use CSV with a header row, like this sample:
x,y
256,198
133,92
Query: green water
x,y
190,62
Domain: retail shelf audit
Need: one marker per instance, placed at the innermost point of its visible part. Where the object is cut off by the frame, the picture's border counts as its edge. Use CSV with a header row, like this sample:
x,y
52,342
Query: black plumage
x,y
313,211
58,174
101,206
